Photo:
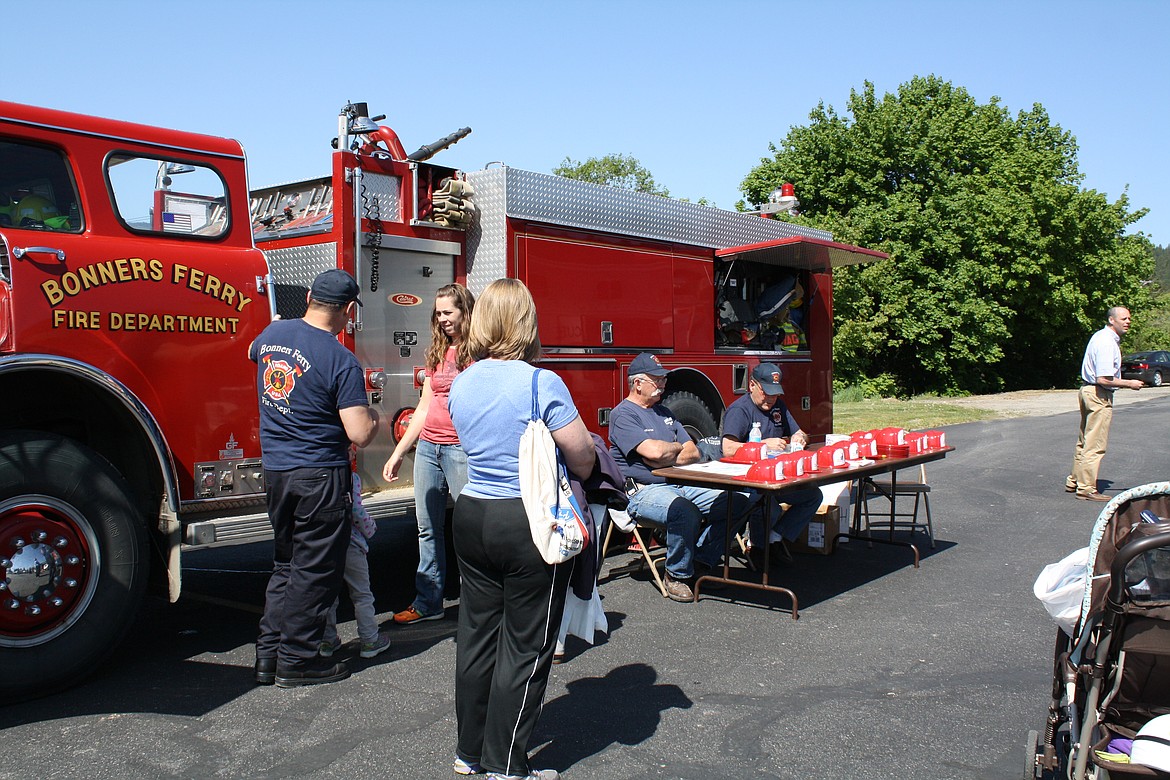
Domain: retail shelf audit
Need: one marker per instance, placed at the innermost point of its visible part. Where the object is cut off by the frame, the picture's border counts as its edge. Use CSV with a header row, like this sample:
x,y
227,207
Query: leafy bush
x,y
881,386
843,394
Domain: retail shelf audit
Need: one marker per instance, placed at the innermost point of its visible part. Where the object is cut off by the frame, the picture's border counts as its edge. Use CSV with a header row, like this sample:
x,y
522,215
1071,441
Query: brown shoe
x,y
1092,496
1069,488
677,590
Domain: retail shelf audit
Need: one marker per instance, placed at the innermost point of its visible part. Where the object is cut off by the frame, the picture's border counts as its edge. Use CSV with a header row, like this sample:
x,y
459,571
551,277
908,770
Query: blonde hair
x,y
503,325
464,302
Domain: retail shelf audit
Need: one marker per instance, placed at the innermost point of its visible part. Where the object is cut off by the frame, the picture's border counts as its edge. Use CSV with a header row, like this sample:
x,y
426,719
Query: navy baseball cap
x,y
334,286
768,375
647,364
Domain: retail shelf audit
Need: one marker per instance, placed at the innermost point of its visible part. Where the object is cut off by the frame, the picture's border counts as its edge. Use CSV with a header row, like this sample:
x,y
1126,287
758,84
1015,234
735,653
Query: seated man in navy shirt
x,y
778,429
644,436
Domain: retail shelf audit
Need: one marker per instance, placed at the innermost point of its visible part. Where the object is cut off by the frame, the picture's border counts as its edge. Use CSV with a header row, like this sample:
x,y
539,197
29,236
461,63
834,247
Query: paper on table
x,y
718,467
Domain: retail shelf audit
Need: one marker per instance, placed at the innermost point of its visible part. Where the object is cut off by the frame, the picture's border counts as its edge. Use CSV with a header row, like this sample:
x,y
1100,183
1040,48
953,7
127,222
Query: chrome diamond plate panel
x,y
301,264
511,192
384,192
487,239
293,270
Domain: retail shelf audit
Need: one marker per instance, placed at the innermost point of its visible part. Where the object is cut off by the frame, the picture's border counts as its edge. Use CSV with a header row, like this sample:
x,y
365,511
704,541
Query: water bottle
x,y
755,434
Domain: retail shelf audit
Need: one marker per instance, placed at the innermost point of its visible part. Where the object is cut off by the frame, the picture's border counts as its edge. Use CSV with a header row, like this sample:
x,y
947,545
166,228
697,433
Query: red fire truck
x,y
136,267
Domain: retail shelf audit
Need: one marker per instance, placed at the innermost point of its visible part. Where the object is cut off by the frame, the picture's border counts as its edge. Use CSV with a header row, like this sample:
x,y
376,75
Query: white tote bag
x,y
554,517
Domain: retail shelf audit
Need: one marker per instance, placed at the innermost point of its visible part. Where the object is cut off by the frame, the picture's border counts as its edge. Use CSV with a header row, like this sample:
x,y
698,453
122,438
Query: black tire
x,y
72,559
1157,379
690,410
1031,746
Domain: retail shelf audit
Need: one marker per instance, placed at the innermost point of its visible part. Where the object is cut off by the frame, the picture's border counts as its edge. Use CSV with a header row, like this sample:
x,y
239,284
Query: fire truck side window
x,y
36,189
761,308
153,195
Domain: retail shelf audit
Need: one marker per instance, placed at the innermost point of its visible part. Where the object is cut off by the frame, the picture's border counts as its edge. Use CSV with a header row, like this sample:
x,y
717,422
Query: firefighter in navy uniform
x,y
312,407
779,431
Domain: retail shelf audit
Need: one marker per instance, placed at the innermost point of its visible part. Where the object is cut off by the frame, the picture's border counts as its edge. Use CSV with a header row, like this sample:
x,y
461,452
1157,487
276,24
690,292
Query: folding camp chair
x,y
891,489
643,542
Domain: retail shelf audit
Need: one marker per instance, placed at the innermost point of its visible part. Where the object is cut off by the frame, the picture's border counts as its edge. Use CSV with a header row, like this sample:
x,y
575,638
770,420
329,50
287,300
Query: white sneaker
x,y
463,768
533,774
378,646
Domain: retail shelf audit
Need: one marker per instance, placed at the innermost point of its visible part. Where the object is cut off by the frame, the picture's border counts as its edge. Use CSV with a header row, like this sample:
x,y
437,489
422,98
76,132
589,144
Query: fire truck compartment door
x,y
395,334
580,284
811,254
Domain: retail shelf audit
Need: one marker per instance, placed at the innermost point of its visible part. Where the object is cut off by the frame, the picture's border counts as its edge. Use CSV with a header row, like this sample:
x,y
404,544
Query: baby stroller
x,y
1112,675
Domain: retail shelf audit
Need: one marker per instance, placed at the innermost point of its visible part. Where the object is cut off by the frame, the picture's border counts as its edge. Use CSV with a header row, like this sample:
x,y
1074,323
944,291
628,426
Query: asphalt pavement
x,y
890,672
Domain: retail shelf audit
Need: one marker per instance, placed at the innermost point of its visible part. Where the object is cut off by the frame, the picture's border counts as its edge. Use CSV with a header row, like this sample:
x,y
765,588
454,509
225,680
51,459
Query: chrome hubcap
x,y
48,569
34,572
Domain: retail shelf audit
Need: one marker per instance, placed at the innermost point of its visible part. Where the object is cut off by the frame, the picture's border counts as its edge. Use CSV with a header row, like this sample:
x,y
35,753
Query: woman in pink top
x,y
440,466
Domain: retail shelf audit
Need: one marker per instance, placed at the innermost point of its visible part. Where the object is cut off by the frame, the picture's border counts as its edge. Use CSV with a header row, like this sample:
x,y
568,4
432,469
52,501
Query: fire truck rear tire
x,y
72,562
690,410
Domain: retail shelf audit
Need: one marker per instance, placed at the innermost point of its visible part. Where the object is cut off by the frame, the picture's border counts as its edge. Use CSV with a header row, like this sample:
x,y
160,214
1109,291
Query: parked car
x,y
1151,367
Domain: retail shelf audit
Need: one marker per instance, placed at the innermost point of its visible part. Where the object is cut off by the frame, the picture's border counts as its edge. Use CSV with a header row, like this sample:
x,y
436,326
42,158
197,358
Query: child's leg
x,y
330,636
357,579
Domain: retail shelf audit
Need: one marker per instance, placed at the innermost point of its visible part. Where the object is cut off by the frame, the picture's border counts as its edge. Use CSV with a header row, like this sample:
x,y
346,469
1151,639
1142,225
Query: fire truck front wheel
x,y
690,410
72,562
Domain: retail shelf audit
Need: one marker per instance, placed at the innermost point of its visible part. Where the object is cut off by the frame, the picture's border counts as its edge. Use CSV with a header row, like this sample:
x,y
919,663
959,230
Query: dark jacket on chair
x,y
604,487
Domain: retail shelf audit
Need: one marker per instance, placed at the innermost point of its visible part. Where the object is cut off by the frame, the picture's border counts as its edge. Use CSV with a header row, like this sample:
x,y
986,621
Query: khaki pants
x,y
1096,413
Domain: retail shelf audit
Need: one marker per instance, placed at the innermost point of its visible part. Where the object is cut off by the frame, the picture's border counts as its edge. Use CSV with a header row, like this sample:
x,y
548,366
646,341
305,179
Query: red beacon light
x,y
781,200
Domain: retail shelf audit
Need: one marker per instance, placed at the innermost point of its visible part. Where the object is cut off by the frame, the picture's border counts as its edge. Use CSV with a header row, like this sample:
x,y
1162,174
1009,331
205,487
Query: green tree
x,y
1000,264
1151,327
1162,267
616,170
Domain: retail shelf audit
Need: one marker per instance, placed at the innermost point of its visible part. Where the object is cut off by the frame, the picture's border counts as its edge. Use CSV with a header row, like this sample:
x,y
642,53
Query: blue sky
x,y
694,90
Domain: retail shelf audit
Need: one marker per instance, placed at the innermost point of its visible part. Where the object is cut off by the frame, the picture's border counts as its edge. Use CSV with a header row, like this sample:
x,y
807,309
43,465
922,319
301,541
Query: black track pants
x,y
510,607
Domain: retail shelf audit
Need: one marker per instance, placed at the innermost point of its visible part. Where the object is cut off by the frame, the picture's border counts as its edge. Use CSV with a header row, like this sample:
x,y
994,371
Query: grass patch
x,y
913,414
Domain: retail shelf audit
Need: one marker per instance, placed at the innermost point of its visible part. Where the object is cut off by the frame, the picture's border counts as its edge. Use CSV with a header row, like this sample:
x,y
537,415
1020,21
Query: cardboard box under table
x,y
832,520
821,534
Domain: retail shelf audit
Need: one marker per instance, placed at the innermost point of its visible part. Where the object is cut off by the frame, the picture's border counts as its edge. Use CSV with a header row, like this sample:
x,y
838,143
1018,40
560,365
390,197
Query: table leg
x,y
729,580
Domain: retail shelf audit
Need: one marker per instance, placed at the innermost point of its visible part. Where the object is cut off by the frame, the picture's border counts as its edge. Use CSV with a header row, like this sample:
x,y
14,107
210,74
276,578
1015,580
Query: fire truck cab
x,y
136,267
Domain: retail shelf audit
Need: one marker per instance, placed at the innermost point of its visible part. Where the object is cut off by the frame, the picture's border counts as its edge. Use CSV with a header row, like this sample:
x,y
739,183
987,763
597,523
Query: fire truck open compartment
x,y
765,292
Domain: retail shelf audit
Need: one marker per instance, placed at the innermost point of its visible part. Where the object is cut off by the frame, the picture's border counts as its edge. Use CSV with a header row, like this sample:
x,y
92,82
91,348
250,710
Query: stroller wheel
x,y
1031,747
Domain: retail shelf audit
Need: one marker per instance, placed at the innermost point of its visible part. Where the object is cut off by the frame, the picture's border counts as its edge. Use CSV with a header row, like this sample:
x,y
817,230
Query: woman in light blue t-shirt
x,y
507,586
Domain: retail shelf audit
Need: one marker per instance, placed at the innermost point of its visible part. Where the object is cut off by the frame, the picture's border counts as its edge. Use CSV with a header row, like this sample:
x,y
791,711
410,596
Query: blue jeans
x,y
680,510
439,470
802,507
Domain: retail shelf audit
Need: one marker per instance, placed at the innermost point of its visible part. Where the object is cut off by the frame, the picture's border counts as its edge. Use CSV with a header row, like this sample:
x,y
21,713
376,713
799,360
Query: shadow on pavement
x,y
192,657
624,708
814,578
